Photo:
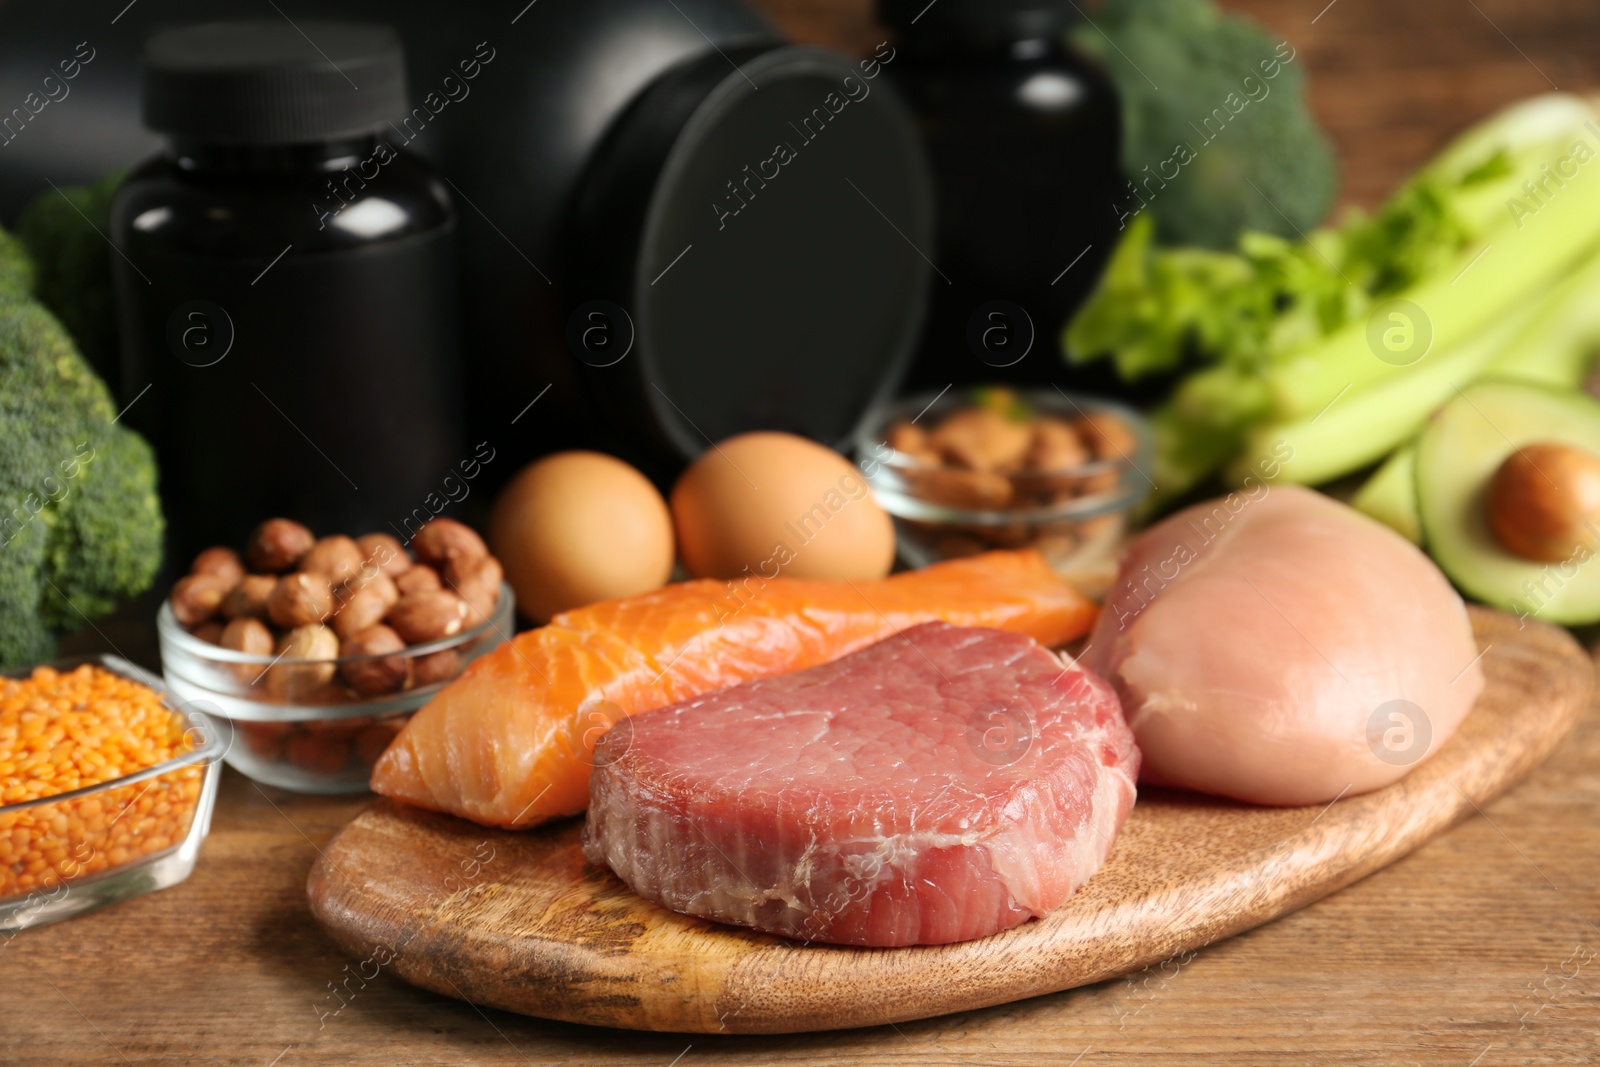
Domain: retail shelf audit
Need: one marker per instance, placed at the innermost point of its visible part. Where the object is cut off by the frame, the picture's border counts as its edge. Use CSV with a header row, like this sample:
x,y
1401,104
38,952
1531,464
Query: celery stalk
x,y
1510,265
1361,427
1552,339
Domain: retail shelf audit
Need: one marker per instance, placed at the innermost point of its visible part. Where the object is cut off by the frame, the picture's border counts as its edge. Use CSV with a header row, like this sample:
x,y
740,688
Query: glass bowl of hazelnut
x,y
970,470
313,652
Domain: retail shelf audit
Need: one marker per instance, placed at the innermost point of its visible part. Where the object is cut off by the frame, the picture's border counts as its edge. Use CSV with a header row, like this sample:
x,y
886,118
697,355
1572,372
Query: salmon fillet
x,y
941,785
510,743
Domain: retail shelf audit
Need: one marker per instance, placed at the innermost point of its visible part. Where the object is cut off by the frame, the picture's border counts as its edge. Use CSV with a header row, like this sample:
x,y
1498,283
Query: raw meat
x,y
1282,648
510,742
941,785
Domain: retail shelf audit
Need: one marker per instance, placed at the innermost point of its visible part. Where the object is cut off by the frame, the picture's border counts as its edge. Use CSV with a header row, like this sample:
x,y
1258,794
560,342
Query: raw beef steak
x,y
941,785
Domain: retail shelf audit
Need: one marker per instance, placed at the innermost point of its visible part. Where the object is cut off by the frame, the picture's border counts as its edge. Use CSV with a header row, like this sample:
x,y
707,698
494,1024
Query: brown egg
x,y
766,504
580,527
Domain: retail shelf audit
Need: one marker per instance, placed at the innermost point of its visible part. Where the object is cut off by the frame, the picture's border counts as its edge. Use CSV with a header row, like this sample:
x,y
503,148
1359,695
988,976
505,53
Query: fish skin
x,y
510,742
855,802
1257,638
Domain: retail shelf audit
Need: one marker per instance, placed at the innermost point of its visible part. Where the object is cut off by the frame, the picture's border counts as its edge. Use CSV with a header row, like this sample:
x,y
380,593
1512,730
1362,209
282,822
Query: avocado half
x,y
1390,495
1457,457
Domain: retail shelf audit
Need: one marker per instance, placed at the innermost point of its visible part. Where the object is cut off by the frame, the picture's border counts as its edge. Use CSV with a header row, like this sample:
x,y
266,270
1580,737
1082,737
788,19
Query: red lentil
x,y
63,731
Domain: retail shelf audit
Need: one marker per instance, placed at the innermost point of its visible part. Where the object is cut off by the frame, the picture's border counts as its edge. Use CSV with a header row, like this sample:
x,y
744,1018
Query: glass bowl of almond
x,y
970,470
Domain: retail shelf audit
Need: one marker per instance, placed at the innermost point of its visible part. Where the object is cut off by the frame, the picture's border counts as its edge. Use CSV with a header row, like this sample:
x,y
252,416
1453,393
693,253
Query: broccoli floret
x,y
66,232
1204,132
80,525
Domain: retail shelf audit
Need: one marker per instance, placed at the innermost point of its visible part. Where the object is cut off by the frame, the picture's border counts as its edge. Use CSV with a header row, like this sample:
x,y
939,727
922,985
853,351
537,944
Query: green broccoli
x,y
16,268
66,232
80,521
1226,110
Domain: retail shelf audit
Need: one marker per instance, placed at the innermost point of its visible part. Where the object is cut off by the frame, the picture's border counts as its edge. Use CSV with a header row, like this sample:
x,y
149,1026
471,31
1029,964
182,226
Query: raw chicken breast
x,y
1281,648
938,786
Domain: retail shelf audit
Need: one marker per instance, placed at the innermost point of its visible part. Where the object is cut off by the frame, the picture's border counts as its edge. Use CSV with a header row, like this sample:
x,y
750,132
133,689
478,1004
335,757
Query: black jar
x,y
1024,135
286,285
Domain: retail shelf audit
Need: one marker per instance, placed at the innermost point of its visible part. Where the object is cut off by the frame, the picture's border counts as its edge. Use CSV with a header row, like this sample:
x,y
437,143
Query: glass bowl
x,y
82,849
1075,516
299,724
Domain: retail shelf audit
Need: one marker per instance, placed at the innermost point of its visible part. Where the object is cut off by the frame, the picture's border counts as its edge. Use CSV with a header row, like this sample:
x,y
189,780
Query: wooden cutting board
x,y
520,921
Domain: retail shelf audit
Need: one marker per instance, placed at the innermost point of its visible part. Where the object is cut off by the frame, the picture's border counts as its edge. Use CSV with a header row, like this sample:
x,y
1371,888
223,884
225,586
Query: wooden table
x,y
1481,949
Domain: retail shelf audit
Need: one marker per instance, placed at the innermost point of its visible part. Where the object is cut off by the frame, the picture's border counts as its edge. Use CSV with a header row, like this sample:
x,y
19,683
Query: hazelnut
x,y
386,552
196,598
1107,436
209,632
317,755
248,599
478,584
424,617
306,662
442,541
385,674
337,729
435,667
359,610
1056,447
419,579
335,558
249,636
300,600
1544,502
981,439
277,545
223,562
375,738
370,578
264,739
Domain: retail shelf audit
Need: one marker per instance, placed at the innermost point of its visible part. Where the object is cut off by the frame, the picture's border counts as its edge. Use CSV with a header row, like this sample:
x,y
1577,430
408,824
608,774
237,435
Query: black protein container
x,y
285,284
1024,135
587,145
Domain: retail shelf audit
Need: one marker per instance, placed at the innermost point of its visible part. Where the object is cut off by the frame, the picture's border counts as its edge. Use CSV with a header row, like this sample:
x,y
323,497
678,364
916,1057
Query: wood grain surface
x,y
1478,950
521,921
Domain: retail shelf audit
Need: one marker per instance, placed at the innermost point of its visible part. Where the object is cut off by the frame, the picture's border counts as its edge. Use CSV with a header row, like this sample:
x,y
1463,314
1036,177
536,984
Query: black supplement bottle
x,y
286,285
1024,135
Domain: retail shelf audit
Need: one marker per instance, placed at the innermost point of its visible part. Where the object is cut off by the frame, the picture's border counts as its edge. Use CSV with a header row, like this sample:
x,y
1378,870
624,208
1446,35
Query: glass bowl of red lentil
x,y
317,726
965,471
106,788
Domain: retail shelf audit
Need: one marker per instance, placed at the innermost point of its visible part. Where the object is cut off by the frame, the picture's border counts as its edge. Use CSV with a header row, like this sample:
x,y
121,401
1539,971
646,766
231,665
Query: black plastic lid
x,y
273,82
1012,17
767,246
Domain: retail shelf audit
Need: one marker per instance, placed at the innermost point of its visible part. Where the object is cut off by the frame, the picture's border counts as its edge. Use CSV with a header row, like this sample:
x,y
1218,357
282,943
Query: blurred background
x,y
1390,82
